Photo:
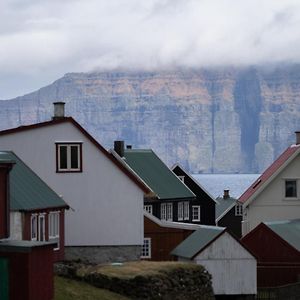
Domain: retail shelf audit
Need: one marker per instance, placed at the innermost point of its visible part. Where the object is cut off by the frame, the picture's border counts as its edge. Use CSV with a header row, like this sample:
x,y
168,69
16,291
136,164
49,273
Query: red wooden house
x,y
277,249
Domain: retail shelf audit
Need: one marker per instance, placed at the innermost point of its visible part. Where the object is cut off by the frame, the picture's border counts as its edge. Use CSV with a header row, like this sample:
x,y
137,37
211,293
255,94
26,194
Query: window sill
x,y
291,199
68,171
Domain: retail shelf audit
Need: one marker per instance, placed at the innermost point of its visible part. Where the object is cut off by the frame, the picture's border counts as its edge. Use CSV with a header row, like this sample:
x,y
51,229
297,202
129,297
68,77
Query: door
x,y
4,278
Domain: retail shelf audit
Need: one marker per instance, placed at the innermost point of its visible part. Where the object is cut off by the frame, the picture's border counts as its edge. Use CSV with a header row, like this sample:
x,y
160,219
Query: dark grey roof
x,y
27,190
197,241
224,205
288,230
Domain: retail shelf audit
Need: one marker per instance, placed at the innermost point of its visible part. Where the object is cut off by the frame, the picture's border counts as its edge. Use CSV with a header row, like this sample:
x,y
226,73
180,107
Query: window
x,y
148,209
239,210
291,188
33,225
146,248
41,228
196,213
186,210
166,211
53,226
180,211
69,157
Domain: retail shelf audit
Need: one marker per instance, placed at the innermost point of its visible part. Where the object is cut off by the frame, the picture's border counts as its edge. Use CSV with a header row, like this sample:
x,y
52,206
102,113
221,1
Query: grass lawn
x,y
66,289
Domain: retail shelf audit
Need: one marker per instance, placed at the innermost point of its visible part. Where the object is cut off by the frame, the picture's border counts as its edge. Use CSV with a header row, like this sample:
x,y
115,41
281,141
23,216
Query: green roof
x,y
287,230
163,182
198,240
27,190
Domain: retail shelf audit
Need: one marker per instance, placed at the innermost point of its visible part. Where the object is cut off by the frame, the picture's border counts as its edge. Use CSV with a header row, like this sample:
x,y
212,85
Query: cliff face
x,y
221,120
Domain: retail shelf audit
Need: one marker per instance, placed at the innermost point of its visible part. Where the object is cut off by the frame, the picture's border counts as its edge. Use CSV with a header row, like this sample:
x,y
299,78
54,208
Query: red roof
x,y
83,131
268,172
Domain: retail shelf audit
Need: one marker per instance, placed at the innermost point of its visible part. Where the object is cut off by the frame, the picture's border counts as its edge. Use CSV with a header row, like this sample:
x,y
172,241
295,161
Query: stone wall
x,y
103,254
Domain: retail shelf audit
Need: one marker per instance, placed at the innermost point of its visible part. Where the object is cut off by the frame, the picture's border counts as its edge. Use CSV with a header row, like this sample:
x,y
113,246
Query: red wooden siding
x,y
163,239
278,263
31,273
58,254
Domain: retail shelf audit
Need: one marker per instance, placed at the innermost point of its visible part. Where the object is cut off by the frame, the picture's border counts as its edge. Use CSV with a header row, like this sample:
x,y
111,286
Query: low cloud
x,y
45,39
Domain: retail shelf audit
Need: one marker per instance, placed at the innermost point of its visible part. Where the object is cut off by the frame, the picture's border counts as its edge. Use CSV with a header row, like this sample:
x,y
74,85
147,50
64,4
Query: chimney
x,y
128,147
119,147
59,110
226,194
297,137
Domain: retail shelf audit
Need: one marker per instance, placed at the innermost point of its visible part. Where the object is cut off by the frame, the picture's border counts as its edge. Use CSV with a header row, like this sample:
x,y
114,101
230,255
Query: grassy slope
x,y
66,289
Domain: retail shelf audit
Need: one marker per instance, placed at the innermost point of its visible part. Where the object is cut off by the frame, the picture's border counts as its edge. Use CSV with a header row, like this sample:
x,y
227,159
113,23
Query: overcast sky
x,y
42,40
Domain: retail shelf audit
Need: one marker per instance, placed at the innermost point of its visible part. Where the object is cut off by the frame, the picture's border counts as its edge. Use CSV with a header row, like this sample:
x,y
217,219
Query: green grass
x,y
66,289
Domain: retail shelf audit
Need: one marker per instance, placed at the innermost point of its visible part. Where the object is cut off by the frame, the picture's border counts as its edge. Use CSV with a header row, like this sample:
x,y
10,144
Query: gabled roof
x,y
192,178
223,206
28,191
161,180
198,241
87,135
287,230
270,173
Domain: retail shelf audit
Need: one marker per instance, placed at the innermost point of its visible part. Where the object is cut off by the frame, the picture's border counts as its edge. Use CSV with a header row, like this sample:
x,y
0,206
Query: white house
x,y
231,265
275,195
105,222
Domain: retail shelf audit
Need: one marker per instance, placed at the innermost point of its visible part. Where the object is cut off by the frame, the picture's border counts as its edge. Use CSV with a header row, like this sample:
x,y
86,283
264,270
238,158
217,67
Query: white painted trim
x,y
69,161
42,216
149,248
199,213
36,227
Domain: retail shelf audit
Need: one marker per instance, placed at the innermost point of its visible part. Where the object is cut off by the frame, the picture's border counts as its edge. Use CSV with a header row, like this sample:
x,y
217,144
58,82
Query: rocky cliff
x,y
217,120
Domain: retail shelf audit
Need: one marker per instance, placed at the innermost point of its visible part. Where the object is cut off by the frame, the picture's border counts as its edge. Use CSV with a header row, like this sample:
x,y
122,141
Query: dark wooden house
x,y
229,214
161,237
276,246
202,209
169,198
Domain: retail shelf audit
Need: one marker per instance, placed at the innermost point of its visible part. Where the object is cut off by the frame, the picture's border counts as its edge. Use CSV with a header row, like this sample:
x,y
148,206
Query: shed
x,y
277,248
231,265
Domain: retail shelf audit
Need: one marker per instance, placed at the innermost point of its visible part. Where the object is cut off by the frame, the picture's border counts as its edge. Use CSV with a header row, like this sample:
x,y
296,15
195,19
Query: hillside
x,y
219,120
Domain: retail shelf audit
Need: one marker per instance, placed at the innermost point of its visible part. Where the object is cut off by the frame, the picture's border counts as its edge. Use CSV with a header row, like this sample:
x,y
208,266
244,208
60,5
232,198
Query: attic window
x,y
68,157
291,188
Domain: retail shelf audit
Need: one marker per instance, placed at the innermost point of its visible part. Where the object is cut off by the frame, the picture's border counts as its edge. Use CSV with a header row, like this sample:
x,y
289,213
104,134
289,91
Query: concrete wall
x,y
15,225
106,206
271,204
232,267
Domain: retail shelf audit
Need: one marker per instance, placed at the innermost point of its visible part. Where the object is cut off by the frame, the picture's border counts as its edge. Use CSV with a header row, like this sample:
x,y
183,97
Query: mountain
x,y
221,120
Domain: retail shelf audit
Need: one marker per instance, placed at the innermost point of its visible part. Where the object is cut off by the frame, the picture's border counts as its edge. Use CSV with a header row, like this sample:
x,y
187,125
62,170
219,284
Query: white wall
x,y
270,204
106,206
232,267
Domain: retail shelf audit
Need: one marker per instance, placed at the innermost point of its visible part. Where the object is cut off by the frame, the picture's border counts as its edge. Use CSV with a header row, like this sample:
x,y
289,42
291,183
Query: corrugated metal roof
x,y
197,241
223,205
27,190
156,174
272,169
287,230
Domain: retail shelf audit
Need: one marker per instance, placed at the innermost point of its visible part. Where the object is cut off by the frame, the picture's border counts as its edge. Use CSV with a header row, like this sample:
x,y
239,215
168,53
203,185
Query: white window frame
x,y
40,217
186,210
196,213
285,182
169,211
163,211
54,227
238,210
68,146
146,248
34,217
180,211
148,208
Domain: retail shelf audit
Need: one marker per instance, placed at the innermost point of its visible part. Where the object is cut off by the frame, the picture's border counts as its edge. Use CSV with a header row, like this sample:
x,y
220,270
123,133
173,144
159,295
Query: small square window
x,y
68,157
291,189
239,210
148,209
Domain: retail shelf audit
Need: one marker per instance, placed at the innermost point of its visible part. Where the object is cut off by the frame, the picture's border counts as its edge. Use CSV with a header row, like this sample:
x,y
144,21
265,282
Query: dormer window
x,y
68,157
